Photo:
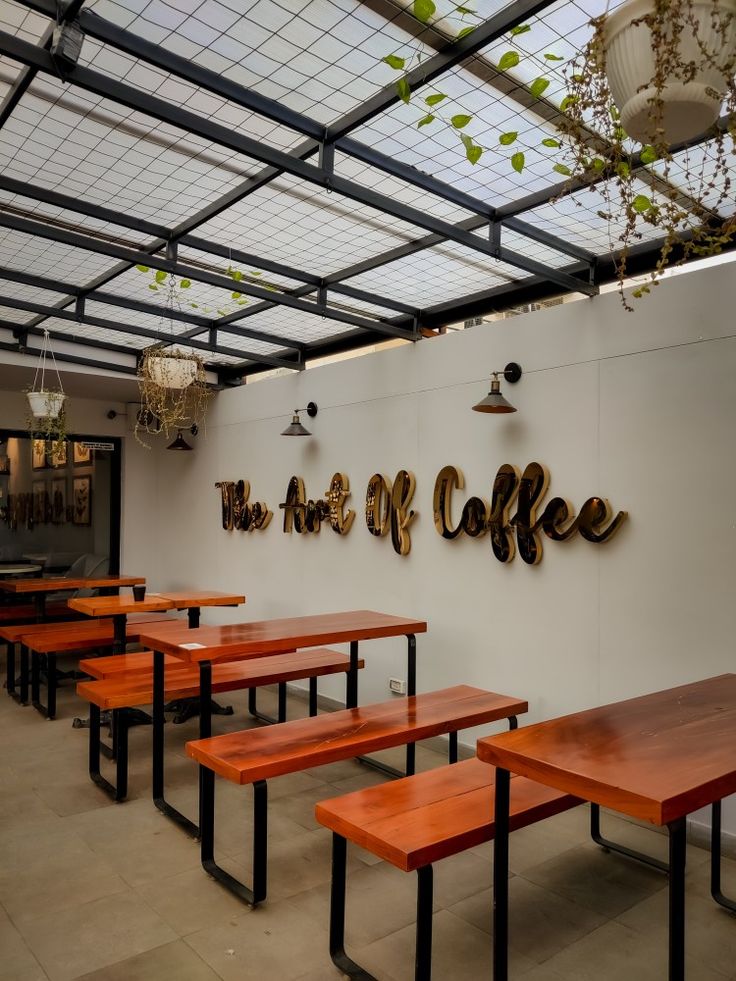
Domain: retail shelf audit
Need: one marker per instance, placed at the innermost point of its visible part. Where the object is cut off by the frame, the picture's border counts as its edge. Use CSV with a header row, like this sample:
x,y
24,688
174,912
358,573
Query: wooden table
x,y
657,758
118,607
39,587
261,637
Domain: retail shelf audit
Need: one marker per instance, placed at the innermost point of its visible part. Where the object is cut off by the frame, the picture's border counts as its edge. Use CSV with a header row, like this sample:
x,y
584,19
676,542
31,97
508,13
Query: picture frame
x,y
38,454
58,501
82,454
56,454
38,489
82,501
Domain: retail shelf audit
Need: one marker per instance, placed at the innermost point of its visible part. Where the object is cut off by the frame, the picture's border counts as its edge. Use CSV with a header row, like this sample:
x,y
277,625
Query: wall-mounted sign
x,y
304,516
237,512
94,444
595,522
388,509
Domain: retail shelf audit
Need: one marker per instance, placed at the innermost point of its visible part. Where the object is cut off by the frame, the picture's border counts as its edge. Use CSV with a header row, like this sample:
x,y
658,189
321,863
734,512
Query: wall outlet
x,y
397,686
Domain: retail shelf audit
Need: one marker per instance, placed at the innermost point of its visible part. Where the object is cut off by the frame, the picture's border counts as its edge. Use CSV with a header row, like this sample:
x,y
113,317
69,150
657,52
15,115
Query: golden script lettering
x,y
237,512
557,521
304,516
387,508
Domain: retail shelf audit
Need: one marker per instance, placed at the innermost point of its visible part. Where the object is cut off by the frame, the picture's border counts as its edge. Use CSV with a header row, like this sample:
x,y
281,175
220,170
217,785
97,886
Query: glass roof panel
x,y
437,275
306,227
15,316
293,324
319,57
19,291
22,22
63,138
29,253
695,168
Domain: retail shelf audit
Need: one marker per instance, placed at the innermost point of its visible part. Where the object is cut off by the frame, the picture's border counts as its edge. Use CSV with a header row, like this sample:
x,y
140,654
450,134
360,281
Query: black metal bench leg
x,y
312,697
260,840
715,860
24,674
501,878
423,956
48,711
337,913
612,846
678,850
261,716
119,792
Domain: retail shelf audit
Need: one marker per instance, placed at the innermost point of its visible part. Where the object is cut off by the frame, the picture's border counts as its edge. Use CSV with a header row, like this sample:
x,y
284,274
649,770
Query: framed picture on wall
x,y
56,454
82,501
38,487
82,454
38,454
58,500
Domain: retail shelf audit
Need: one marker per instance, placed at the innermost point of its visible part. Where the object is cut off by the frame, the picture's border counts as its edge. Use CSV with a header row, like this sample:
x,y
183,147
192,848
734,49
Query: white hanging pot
x,y
172,372
46,405
689,108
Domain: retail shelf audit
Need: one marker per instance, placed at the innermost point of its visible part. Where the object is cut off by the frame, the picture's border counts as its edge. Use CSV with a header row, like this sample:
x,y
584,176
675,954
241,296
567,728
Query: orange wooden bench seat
x,y
255,756
115,665
127,690
415,822
27,613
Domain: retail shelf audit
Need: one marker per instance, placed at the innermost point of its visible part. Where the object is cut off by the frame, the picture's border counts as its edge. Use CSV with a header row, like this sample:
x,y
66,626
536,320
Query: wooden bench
x,y
257,755
25,615
415,822
50,639
119,691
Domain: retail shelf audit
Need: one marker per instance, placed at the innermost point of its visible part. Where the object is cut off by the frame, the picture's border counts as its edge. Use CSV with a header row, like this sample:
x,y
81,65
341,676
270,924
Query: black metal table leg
x,y
715,860
24,674
158,751
612,846
678,851
423,953
193,617
48,711
119,628
337,914
501,877
351,694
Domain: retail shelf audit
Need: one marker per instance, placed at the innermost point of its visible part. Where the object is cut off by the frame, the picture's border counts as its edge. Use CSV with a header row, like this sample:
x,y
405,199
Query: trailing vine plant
x,y
593,148
159,279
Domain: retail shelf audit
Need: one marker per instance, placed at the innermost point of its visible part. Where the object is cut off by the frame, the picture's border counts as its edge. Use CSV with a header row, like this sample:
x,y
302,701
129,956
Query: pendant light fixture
x,y
494,401
295,427
179,443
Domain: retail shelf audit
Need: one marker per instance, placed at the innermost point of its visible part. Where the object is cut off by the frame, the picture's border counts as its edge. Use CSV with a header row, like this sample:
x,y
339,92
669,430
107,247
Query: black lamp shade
x,y
295,428
179,443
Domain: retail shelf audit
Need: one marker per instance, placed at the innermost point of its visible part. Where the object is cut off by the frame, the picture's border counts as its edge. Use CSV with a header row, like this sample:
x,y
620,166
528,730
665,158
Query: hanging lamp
x,y
495,401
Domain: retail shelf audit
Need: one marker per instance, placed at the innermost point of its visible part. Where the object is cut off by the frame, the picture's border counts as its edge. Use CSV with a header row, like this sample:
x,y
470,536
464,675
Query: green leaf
x,y
465,10
550,142
236,275
648,155
517,162
568,101
506,139
623,170
508,60
253,272
185,284
435,98
142,268
562,169
460,120
473,153
578,78
161,275
538,86
152,286
641,203
395,62
464,32
194,306
553,57
520,29
426,120
598,164
236,296
424,10
403,90
222,313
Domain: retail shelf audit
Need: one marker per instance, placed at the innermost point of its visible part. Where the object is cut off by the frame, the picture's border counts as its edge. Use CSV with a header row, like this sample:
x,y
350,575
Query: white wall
x,y
639,408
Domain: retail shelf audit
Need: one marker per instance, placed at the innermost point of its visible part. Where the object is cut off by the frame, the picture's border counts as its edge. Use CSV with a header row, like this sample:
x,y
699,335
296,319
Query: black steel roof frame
x,y
425,242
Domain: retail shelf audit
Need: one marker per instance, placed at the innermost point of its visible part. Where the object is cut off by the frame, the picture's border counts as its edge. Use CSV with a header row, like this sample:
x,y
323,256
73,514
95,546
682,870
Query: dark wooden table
x,y
657,758
262,637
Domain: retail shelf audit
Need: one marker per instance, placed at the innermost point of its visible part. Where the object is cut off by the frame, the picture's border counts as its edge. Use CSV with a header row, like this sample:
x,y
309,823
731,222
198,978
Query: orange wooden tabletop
x,y
272,636
108,606
184,598
79,634
657,757
259,754
49,584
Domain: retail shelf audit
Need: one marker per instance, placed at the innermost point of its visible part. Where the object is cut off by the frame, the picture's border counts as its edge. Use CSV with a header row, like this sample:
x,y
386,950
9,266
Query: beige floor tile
x,y
17,963
81,939
191,901
277,940
171,962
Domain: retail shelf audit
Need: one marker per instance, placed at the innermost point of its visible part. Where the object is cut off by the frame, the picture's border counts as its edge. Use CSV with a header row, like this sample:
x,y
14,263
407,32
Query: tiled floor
x,y
90,889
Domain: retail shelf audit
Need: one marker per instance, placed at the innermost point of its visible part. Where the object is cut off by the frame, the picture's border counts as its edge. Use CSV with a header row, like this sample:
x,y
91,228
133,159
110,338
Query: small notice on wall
x,y
92,444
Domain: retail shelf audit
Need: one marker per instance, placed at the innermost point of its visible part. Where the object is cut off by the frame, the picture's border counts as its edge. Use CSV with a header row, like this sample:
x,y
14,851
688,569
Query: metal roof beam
x,y
145,332
86,78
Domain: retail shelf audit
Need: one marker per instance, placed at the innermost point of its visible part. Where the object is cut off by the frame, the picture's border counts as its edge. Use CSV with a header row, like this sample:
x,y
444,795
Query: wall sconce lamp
x,y
180,443
295,428
494,401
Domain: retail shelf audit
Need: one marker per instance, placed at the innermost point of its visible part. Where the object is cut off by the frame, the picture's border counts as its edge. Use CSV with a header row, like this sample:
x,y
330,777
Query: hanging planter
x,y
46,400
172,369
668,79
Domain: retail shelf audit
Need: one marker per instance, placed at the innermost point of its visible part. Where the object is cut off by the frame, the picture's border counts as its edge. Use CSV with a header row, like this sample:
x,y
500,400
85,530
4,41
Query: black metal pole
x,y
501,878
678,850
